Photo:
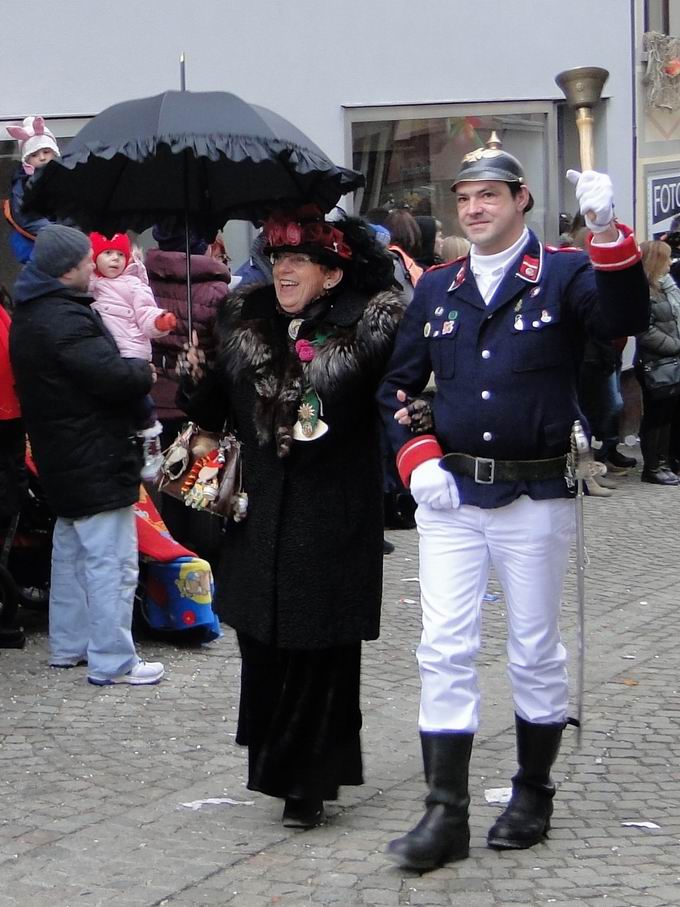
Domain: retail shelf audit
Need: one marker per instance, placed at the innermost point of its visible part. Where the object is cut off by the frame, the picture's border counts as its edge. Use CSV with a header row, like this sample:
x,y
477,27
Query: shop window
x,y
412,161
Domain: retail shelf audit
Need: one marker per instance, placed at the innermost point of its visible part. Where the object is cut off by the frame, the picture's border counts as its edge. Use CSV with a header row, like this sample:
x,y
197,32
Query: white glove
x,y
433,486
595,196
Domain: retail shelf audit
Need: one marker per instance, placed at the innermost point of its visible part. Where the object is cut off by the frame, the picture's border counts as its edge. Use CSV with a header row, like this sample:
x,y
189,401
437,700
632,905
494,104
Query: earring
x,y
327,286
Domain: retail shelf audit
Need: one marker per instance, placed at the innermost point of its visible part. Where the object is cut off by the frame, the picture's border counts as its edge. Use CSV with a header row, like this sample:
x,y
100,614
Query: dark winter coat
x,y
77,397
304,570
662,338
168,279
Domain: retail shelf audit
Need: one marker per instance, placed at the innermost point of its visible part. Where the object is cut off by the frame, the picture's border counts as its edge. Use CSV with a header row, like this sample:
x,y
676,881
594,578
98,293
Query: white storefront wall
x,y
319,64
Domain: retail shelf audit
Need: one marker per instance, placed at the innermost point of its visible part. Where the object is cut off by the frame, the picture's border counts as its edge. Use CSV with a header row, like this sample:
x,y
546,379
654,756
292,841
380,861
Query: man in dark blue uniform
x,y
503,332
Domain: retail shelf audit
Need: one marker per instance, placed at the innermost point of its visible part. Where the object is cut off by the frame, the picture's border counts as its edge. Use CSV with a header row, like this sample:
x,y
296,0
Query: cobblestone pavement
x,y
92,780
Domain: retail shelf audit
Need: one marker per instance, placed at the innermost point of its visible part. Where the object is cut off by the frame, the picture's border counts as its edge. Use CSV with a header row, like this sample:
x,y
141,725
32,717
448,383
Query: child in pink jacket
x,y
129,310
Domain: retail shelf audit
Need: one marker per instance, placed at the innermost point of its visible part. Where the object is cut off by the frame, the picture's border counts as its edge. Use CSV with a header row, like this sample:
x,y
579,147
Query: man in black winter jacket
x,y
77,396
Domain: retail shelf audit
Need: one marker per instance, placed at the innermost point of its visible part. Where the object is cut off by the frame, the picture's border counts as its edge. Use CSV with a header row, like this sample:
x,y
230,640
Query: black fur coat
x,y
304,570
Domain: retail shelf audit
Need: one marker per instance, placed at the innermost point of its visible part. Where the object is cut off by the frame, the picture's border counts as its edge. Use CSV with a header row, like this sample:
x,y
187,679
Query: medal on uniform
x,y
518,305
294,327
439,310
535,291
427,329
519,324
447,327
546,317
453,314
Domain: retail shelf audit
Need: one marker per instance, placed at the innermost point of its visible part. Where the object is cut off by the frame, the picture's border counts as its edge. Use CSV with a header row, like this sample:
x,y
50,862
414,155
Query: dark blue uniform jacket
x,y
506,373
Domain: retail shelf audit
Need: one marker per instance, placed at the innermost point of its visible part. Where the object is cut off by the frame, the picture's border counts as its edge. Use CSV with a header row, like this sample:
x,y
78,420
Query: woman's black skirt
x,y
299,717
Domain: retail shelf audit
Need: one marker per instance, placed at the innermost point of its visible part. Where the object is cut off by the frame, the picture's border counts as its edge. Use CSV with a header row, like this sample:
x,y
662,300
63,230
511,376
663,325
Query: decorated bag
x,y
203,469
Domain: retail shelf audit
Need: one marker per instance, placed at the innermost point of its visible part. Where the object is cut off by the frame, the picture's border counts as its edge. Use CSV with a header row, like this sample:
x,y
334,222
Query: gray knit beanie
x,y
58,249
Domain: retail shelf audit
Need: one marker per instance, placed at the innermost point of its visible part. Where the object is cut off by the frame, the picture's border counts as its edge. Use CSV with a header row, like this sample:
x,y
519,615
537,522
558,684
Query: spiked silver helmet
x,y
490,163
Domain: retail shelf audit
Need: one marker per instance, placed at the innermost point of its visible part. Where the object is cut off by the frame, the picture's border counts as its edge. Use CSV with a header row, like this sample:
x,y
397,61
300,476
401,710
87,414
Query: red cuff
x,y
416,451
615,258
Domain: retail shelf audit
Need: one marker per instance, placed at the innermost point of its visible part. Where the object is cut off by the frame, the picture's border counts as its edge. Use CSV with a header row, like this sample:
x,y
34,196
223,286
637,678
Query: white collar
x,y
488,264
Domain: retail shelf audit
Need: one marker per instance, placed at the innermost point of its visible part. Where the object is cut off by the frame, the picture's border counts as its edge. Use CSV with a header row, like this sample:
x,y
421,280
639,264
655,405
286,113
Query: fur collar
x,y
254,347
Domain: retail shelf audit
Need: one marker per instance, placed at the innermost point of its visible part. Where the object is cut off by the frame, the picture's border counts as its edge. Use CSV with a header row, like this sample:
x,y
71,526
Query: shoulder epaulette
x,y
446,264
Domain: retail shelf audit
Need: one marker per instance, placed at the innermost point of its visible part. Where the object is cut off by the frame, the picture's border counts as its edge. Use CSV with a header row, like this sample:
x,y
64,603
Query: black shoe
x,y
659,476
303,812
388,547
621,460
12,639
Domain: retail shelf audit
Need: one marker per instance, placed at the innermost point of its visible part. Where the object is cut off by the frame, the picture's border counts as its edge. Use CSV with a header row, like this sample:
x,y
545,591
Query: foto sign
x,y
663,202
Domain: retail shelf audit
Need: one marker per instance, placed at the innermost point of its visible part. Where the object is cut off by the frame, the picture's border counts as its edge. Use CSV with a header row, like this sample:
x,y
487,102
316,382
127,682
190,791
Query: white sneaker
x,y
143,672
152,452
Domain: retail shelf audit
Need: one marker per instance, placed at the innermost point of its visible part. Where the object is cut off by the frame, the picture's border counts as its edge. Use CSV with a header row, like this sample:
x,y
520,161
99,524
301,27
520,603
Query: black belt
x,y
486,471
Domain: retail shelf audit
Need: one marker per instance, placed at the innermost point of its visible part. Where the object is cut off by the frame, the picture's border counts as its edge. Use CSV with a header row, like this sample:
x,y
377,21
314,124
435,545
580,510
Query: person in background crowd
x,y
297,366
77,397
210,276
502,332
128,309
37,147
600,389
430,248
13,477
660,341
404,242
454,247
257,269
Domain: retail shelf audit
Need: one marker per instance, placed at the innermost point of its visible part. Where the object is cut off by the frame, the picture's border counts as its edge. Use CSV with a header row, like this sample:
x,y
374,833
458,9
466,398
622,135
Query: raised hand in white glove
x,y
595,196
434,487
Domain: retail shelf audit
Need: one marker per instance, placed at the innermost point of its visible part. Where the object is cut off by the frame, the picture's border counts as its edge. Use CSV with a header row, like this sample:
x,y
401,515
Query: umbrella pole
x,y
187,244
187,249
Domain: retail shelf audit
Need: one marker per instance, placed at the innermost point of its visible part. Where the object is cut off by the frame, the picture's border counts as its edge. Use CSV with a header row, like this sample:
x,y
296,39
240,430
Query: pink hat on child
x,y
33,135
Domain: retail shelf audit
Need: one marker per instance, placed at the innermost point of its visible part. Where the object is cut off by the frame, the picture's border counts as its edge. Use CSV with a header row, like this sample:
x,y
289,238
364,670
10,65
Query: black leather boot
x,y
654,444
526,819
442,835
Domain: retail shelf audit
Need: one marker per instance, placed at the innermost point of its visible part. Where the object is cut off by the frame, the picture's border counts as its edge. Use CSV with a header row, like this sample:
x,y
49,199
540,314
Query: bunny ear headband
x,y
33,135
32,126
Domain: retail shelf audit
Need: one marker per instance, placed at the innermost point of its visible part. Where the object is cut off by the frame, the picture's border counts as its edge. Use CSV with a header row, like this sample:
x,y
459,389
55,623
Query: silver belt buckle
x,y
485,470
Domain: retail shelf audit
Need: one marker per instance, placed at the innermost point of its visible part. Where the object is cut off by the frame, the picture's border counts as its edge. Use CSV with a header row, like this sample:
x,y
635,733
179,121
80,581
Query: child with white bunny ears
x,y
37,147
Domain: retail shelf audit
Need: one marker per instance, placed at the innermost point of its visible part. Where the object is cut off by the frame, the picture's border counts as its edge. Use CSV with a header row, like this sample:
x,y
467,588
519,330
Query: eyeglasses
x,y
293,258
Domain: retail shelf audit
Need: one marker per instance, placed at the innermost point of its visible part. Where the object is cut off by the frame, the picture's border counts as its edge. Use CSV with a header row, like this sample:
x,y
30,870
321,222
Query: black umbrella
x,y
207,157
126,169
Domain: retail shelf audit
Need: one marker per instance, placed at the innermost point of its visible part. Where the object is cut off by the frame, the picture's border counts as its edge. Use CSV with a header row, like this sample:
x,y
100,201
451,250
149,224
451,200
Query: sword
x,y
581,465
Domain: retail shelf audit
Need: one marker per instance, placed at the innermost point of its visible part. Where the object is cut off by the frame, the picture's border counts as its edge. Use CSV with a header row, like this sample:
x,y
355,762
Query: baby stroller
x,y
175,591
25,553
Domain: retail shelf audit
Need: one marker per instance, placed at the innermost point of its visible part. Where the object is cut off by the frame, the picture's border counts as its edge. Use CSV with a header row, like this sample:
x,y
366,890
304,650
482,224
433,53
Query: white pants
x,y
94,577
528,544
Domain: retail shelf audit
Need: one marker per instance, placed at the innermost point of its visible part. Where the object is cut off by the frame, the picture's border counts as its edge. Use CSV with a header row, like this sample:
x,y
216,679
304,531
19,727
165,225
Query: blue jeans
x,y
94,576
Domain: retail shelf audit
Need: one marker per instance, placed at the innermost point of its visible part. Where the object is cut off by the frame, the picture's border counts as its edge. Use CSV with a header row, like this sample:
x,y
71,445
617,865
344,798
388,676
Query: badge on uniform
x,y
427,329
453,314
439,310
519,324
535,292
447,327
546,317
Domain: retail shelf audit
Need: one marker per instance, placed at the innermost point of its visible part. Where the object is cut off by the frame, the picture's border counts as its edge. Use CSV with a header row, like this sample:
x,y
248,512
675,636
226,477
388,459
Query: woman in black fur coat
x,y
300,580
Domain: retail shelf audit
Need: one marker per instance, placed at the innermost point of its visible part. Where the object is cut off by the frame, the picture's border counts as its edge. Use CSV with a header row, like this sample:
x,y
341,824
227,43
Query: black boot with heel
x,y
443,834
526,819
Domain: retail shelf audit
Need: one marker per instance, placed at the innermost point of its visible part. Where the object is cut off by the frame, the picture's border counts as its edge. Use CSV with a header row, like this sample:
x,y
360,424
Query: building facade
x,y
396,89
